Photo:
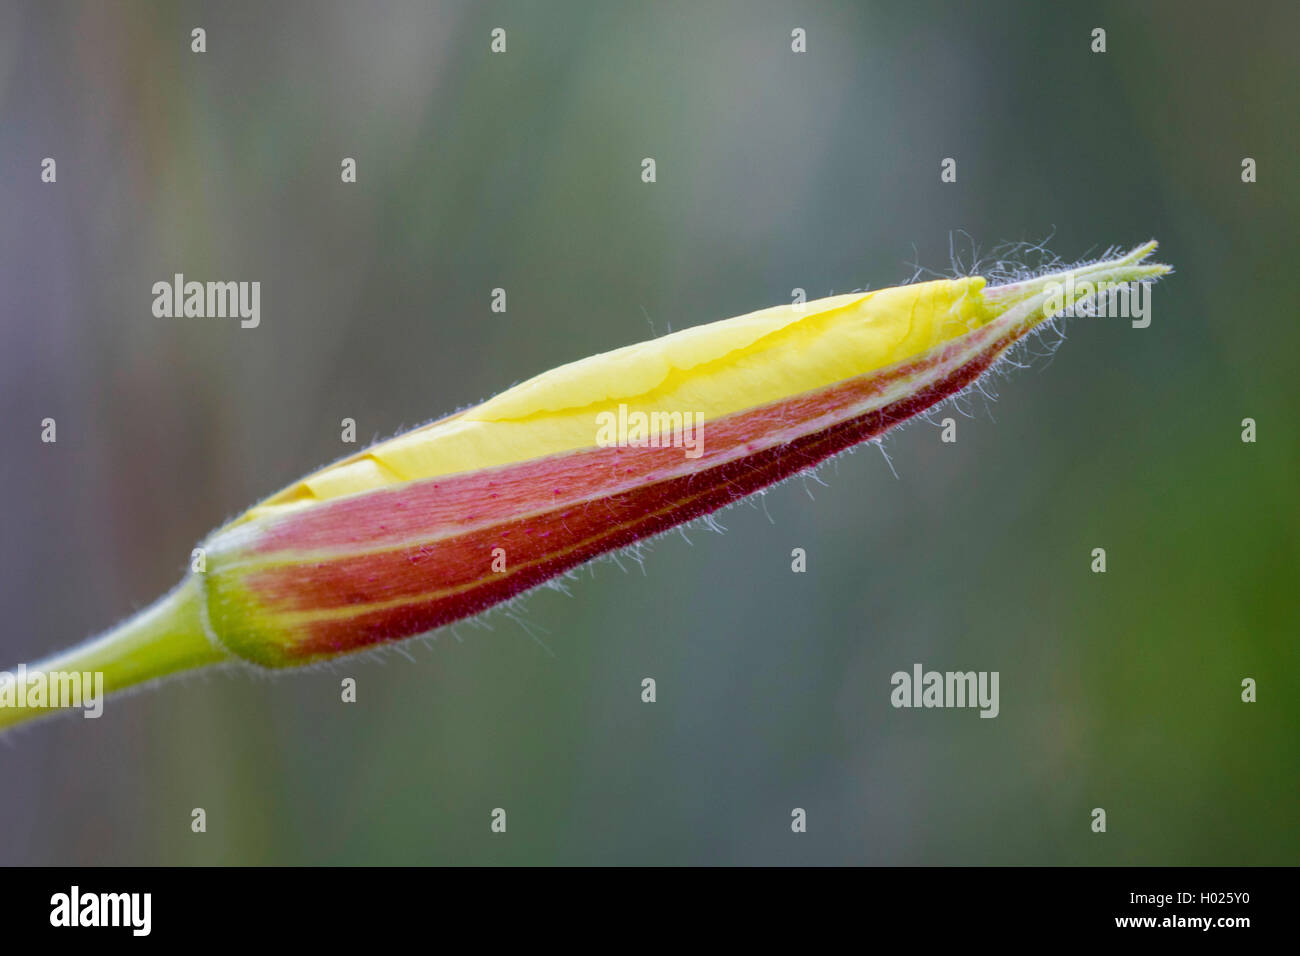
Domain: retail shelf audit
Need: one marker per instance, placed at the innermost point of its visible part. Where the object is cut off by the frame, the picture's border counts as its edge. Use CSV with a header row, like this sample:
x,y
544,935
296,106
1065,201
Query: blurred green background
x,y
775,170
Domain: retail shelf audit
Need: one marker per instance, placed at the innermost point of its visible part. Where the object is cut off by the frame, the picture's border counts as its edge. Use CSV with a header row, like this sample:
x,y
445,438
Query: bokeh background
x,y
775,170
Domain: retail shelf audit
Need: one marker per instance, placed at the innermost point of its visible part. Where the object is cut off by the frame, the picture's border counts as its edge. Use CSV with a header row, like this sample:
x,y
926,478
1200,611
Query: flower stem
x,y
163,639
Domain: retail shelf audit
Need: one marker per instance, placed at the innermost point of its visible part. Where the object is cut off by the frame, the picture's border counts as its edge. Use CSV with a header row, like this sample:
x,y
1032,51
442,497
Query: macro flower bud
x,y
445,521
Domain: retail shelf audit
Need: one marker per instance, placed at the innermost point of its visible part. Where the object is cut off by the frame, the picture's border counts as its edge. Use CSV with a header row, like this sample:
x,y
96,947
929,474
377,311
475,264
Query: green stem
x,y
164,639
